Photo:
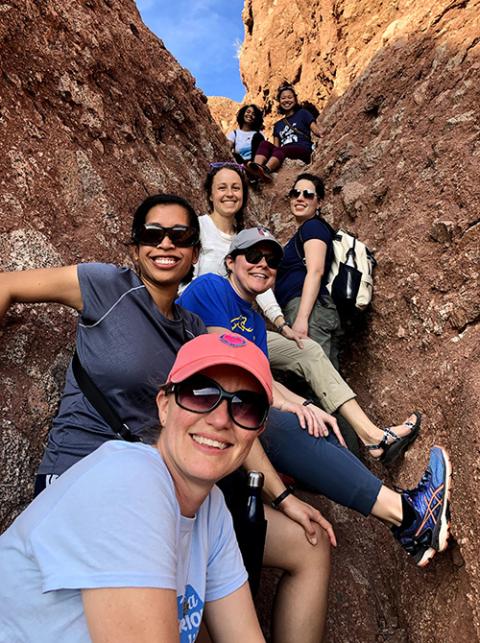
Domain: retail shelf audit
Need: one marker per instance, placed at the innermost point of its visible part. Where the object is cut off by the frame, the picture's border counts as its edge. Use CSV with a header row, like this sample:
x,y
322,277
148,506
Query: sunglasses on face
x,y
200,394
255,255
307,194
228,165
152,234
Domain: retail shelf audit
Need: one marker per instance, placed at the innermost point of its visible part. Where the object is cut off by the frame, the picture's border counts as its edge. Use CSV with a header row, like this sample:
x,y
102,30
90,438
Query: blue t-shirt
x,y
213,299
292,272
128,348
295,129
112,520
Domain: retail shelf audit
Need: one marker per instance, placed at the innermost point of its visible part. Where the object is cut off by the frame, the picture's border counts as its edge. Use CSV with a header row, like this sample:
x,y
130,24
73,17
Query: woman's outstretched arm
x,y
59,285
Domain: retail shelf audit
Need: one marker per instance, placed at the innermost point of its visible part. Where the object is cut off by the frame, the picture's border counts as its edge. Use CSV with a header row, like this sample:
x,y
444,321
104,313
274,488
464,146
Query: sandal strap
x,y
387,433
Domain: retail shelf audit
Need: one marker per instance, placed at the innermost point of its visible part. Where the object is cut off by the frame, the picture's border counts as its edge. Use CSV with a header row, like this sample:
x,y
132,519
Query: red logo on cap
x,y
233,340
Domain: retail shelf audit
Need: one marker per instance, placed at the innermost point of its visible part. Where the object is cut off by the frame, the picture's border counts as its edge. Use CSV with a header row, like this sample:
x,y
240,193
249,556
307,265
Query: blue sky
x,y
204,36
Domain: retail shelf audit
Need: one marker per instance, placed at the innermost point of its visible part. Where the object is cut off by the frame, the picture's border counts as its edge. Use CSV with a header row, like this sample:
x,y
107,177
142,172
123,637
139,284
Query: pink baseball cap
x,y
218,350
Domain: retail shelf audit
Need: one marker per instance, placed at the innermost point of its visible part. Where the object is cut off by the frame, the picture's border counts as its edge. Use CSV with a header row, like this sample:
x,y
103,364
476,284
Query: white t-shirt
x,y
112,520
215,246
243,142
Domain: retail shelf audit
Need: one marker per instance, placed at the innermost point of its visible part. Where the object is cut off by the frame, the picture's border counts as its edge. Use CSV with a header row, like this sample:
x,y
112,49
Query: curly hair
x,y
257,123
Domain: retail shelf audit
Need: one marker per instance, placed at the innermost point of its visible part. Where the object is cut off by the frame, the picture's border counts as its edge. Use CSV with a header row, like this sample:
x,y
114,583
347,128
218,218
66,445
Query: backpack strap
x,y
99,402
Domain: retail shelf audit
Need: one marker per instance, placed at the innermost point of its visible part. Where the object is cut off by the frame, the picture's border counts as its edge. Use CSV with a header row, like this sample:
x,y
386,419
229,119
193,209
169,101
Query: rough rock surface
x,y
224,111
94,115
400,147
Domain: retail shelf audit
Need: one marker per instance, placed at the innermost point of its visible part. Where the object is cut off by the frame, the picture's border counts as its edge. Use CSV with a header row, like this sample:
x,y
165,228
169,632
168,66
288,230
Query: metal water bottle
x,y
252,531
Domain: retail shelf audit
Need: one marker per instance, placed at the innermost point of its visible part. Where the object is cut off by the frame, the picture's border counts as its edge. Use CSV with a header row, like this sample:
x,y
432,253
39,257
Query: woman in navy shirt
x,y
291,137
301,280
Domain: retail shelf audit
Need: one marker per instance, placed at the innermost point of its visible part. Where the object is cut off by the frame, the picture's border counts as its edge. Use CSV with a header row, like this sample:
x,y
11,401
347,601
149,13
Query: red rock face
x,y
94,115
399,88
223,111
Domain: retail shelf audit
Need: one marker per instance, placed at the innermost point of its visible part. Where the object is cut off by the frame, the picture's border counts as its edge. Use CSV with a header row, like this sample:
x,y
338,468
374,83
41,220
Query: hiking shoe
x,y
253,170
429,530
265,173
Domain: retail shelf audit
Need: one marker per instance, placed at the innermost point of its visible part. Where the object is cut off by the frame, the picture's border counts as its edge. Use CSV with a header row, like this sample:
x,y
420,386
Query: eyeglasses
x,y
255,255
152,234
200,394
228,165
307,194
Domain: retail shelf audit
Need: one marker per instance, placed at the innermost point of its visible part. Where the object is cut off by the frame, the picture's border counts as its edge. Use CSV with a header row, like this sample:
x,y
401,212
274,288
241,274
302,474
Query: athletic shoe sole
x,y
442,531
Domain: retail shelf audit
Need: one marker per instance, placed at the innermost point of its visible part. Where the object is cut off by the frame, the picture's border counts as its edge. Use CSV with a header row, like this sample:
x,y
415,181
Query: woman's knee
x,y
279,154
289,549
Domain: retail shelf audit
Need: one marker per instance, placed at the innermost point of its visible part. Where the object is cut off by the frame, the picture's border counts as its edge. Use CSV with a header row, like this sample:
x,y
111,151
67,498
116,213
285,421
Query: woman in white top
x,y
245,140
227,192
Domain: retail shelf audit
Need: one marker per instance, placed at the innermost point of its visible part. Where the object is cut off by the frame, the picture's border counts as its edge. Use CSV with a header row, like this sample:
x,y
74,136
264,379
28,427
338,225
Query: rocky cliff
x,y
398,84
223,111
94,115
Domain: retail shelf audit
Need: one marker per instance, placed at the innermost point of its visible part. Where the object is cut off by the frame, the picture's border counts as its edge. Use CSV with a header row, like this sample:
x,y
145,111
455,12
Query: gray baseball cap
x,y
251,236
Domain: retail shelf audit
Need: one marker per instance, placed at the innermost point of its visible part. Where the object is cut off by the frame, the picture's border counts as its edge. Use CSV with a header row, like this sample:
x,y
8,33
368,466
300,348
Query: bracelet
x,y
282,326
279,499
307,402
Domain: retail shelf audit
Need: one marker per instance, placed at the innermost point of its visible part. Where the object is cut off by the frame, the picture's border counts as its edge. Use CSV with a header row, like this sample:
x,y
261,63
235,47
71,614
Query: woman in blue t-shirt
x,y
301,280
291,137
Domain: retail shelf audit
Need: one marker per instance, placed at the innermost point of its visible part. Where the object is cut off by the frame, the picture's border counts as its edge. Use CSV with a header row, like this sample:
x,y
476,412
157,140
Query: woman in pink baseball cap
x,y
136,538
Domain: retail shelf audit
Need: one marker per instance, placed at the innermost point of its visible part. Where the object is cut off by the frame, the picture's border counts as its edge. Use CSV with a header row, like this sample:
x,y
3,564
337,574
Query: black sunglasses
x,y
307,194
152,234
255,255
200,394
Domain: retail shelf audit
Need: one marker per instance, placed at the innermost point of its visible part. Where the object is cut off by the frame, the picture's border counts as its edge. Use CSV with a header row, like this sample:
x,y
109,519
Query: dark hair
x,y
313,178
239,217
283,88
150,202
257,123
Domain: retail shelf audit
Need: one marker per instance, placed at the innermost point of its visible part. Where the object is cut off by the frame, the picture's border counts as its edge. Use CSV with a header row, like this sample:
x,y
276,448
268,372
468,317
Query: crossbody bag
x,y
100,403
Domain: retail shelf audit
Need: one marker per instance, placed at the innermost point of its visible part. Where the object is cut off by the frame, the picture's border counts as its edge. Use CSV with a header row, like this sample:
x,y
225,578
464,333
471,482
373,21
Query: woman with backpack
x,y
291,137
302,275
308,308
245,140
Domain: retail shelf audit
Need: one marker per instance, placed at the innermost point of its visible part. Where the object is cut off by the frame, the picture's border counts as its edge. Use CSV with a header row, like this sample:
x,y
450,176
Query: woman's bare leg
x,y
388,506
301,603
273,163
260,159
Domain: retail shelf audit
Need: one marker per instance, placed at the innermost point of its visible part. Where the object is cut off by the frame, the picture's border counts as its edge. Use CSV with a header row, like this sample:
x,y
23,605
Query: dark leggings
x,y
319,464
290,151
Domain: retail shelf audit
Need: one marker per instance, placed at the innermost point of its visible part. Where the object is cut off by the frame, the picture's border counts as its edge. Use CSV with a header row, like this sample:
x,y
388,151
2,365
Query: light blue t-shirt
x,y
213,299
112,520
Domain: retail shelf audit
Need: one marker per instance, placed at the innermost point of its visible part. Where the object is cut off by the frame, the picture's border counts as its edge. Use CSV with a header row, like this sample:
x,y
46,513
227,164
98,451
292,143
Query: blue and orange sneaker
x,y
429,529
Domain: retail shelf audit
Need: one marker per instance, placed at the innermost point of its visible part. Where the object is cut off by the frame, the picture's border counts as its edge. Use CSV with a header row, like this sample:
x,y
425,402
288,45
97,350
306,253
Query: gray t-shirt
x,y
128,348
